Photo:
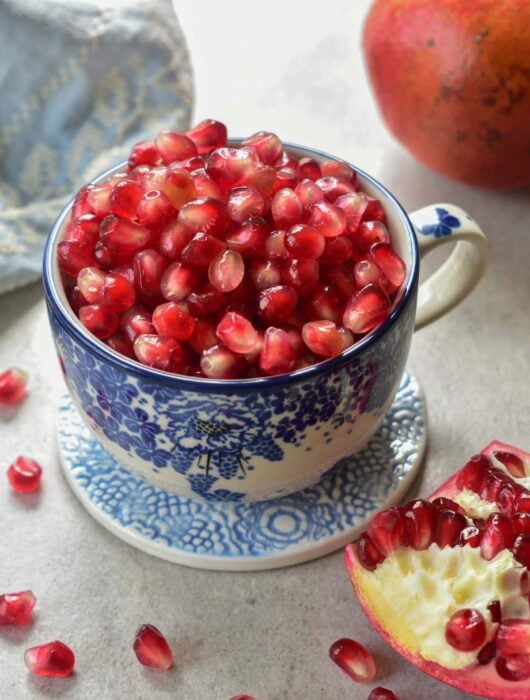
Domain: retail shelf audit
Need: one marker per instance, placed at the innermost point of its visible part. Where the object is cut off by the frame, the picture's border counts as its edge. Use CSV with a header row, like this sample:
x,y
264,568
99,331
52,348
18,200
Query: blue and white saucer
x,y
249,536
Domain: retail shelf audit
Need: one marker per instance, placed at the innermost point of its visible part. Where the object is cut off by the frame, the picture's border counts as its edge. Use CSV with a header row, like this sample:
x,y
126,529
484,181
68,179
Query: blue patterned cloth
x,y
81,81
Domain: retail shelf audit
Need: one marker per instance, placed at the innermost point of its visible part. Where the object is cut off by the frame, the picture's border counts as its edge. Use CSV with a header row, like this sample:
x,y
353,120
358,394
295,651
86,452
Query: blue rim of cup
x,y
68,319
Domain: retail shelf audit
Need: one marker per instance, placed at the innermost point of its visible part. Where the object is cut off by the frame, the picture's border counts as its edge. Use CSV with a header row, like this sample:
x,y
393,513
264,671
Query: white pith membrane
x,y
473,504
416,592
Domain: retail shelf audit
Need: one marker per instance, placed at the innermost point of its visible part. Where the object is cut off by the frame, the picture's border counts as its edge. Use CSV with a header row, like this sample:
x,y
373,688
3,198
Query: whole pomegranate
x,y
452,78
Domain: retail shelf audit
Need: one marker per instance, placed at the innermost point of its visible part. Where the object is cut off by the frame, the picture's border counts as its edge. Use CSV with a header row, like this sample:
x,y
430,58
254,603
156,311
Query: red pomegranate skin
x,y
452,79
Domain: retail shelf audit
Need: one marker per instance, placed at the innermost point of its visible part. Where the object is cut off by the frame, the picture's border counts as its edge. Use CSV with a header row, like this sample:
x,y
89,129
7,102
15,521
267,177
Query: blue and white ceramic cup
x,y
255,439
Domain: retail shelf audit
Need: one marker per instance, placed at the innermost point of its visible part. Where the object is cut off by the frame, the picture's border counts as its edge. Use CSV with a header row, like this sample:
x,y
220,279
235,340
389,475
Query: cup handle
x,y
453,281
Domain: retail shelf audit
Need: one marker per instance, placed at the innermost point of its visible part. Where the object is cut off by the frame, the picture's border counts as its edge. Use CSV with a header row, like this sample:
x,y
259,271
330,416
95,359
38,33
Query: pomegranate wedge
x,y
445,580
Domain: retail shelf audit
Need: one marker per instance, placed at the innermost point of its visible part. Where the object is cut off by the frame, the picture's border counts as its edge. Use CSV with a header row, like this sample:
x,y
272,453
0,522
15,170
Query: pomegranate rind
x,y
482,681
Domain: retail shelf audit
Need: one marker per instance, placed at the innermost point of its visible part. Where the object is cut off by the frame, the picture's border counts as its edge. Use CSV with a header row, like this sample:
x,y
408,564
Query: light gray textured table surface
x,y
297,71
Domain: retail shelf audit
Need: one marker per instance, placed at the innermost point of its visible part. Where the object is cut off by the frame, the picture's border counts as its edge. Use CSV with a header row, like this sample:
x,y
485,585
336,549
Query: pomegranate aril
x,y
323,304
90,283
328,219
353,659
120,344
308,168
369,555
262,178
204,214
149,266
276,304
13,384
117,292
513,637
202,249
322,338
275,246
335,187
388,530
521,523
347,338
99,320
442,503
104,256
338,168
380,693
353,205
154,210
392,266
513,463
99,199
367,272
470,535
124,236
366,309
74,255
226,271
207,135
521,550
16,608
219,362
203,336
125,198
495,611
205,300
242,697
152,649
286,160
237,333
174,146
308,194
172,321
420,519
487,653
175,183
24,475
472,475
448,527
144,153
80,205
173,239
370,233
267,146
250,237
136,321
509,494
498,534
228,166
522,504
286,178
342,280
206,186
374,210
305,242
492,484
244,202
286,208
337,251
160,352
302,275
191,165
515,667
265,273
53,659
466,630
277,355
178,281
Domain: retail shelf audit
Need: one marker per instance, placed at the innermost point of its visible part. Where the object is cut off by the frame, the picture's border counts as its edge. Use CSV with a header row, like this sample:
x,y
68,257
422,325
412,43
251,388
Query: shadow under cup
x,y
245,439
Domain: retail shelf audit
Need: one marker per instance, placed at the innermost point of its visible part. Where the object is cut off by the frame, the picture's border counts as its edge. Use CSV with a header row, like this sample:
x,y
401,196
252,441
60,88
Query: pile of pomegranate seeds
x,y
24,475
12,386
16,608
224,263
353,659
151,648
53,659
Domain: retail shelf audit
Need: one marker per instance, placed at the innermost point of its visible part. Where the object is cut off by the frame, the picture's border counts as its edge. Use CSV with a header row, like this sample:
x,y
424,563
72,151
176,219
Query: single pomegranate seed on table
x,y
154,210
244,202
53,659
276,304
13,385
286,208
512,462
353,659
308,194
513,637
170,320
329,219
368,553
420,519
277,355
202,249
160,352
498,534
237,333
207,135
366,309
219,362
249,238
144,153
470,535
466,630
521,550
16,608
174,146
267,146
448,527
226,271
513,667
388,530
322,338
265,273
99,320
24,475
152,649
380,693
